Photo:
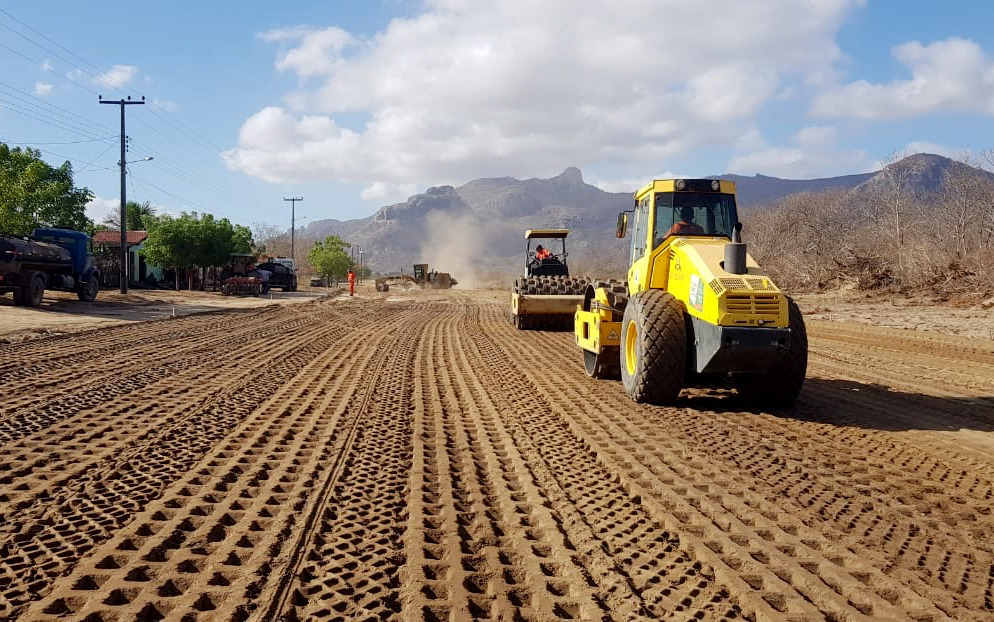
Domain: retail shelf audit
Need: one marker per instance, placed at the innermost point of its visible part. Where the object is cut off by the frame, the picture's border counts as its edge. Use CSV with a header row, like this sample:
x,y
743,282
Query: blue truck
x,y
51,258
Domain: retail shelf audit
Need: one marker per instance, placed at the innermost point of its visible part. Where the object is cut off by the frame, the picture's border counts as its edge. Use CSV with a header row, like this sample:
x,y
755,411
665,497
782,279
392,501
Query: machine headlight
x,y
715,185
680,184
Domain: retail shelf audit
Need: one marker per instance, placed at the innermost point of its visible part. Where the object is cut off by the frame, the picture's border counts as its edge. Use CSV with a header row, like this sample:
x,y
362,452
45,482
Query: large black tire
x,y
653,357
87,290
780,386
33,291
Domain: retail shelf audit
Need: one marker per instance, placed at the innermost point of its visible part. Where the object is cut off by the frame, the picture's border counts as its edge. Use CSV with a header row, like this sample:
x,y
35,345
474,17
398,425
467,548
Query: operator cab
x,y
551,240
680,208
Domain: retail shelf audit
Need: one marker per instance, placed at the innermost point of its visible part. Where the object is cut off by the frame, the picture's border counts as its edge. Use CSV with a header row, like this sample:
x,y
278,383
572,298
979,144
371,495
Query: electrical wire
x,y
71,142
158,112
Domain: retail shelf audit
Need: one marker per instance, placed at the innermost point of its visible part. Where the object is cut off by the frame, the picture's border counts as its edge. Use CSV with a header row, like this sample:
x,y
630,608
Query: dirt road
x,y
414,457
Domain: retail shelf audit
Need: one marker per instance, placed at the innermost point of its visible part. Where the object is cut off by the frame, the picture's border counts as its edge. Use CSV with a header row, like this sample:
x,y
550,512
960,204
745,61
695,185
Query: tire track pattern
x,y
208,546
351,561
774,565
51,532
648,559
482,542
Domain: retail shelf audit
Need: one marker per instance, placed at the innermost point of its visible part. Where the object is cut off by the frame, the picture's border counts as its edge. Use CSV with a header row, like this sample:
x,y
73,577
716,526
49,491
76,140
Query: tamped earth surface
x,y
412,456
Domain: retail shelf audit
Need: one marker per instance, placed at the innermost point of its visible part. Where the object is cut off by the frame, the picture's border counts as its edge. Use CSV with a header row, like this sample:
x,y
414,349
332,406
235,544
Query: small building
x,y
107,245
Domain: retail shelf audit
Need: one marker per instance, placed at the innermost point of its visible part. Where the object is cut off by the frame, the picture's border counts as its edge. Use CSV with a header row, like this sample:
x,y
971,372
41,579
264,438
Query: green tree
x,y
33,194
172,243
194,241
330,258
141,216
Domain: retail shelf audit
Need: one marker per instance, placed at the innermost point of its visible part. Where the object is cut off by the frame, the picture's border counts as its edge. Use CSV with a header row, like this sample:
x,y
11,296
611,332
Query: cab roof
x,y
686,185
546,233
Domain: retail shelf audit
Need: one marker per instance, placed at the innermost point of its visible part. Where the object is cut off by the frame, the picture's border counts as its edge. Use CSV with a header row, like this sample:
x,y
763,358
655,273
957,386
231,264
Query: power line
x,y
71,142
175,196
21,95
176,126
25,111
43,36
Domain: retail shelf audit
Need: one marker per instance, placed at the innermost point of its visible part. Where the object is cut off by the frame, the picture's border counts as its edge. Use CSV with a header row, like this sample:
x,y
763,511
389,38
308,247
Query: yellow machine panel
x,y
595,329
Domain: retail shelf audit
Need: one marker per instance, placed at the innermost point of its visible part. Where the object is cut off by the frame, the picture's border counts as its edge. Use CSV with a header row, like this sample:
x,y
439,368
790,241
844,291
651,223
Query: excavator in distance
x,y
696,307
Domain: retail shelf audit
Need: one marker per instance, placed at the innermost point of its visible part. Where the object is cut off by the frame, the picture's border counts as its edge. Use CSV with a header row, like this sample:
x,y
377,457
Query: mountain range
x,y
478,227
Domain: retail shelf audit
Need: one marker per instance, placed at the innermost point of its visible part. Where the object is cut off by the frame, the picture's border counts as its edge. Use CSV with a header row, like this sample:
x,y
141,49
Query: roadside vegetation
x,y
890,236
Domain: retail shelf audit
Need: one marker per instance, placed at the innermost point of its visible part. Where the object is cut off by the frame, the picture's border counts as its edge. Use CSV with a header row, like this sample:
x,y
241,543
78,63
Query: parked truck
x,y
53,258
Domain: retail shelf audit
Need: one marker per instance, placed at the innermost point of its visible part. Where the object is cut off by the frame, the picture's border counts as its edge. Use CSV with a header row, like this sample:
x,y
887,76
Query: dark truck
x,y
281,275
51,258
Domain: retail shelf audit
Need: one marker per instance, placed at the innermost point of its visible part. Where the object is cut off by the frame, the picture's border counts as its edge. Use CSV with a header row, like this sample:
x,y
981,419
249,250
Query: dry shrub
x,y
891,236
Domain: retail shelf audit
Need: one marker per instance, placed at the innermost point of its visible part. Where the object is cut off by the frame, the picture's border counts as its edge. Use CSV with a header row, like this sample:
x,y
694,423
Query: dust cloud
x,y
464,246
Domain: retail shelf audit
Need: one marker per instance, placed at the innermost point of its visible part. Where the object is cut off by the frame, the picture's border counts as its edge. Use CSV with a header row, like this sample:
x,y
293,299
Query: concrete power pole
x,y
293,227
124,200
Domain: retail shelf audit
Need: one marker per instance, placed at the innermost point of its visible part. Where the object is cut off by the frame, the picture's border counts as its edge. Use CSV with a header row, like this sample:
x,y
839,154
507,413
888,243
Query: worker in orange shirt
x,y
351,282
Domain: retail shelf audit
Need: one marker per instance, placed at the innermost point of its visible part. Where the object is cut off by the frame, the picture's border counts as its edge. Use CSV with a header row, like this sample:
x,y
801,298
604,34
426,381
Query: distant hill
x,y
761,189
478,227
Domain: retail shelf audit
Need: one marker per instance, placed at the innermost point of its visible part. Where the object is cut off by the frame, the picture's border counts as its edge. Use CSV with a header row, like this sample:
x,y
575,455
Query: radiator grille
x,y
764,306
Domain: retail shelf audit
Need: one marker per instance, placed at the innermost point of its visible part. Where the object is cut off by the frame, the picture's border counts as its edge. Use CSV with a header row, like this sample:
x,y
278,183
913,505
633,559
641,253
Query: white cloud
x,y
42,89
98,208
46,65
791,162
117,76
164,104
952,75
813,152
469,89
381,192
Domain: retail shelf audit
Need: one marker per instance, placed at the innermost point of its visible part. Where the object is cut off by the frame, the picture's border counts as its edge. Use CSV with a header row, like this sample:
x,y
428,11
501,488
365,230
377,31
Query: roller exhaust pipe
x,y
735,253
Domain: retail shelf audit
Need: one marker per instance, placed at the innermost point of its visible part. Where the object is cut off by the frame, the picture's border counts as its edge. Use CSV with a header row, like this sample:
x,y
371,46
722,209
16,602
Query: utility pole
x,y
360,264
293,209
124,200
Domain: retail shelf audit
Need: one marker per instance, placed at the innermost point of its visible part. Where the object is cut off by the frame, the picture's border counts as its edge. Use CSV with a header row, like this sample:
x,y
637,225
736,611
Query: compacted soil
x,y
410,455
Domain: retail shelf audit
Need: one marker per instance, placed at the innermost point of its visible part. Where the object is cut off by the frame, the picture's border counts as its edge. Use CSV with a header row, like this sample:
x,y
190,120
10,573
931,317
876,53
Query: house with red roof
x,y
107,244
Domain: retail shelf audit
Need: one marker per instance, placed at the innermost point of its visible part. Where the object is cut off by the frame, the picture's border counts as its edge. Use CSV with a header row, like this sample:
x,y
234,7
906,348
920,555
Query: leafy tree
x,y
33,193
194,241
329,258
172,243
141,216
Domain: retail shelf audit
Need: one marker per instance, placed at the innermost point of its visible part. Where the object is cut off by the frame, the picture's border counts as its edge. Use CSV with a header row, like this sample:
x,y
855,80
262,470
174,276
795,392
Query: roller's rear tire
x,y
780,386
653,357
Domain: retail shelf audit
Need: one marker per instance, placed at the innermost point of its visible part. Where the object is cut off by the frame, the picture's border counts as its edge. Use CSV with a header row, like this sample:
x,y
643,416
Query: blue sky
x,y
355,104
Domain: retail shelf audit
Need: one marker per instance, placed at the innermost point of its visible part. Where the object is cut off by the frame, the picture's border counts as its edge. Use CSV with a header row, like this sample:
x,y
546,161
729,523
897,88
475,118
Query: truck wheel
x,y
781,385
653,355
33,292
604,365
87,290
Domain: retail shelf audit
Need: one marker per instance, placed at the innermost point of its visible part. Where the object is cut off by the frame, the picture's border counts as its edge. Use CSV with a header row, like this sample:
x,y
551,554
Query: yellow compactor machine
x,y
696,308
546,296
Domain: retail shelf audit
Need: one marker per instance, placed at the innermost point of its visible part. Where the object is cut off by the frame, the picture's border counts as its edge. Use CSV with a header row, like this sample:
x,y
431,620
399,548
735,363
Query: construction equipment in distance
x,y
696,308
545,297
432,279
239,283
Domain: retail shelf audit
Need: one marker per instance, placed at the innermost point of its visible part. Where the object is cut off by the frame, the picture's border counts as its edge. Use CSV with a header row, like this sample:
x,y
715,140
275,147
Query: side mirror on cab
x,y
622,229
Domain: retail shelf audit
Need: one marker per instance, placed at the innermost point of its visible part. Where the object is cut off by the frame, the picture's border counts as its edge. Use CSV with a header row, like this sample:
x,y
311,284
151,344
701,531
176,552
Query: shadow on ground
x,y
862,405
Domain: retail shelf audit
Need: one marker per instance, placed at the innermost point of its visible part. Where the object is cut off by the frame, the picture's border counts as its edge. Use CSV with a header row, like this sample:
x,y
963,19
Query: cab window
x,y
713,214
639,232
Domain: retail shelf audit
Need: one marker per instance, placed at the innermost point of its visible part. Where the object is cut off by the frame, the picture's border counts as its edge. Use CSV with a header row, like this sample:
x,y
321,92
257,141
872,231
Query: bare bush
x,y
888,235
